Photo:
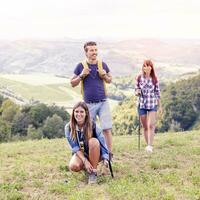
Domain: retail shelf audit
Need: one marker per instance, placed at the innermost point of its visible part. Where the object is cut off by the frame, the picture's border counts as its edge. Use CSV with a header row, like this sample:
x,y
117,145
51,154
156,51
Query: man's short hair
x,y
90,43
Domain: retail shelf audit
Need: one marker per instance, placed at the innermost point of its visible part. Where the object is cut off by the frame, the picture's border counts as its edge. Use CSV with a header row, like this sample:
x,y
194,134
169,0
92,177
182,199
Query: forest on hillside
x,y
181,108
30,121
180,102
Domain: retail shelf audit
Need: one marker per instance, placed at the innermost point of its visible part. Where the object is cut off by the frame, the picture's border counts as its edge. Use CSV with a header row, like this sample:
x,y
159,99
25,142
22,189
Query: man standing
x,y
93,75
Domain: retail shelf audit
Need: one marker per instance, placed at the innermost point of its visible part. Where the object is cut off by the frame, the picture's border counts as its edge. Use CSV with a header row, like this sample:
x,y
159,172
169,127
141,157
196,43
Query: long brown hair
x,y
87,127
152,74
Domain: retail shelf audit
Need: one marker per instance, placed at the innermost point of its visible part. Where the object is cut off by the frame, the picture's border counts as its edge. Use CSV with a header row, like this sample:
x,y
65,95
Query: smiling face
x,y
79,115
147,69
91,52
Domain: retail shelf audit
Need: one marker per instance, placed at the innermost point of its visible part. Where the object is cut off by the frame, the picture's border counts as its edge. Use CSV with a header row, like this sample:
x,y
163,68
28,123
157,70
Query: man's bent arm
x,y
108,78
75,80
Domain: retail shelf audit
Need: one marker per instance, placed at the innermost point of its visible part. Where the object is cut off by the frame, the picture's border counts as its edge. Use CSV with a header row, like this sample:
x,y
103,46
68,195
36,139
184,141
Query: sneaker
x,y
92,179
149,149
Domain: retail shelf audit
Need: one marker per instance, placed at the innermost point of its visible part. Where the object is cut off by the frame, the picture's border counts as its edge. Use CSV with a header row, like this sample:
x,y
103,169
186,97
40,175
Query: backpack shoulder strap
x,y
85,66
84,63
100,64
100,67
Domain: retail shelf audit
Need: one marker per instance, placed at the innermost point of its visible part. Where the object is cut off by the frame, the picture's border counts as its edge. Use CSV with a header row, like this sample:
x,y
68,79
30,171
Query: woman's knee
x,y
152,126
93,143
145,128
144,125
74,167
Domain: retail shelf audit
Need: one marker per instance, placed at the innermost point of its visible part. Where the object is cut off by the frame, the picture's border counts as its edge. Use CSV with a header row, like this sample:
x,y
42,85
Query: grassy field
x,y
46,88
35,78
38,170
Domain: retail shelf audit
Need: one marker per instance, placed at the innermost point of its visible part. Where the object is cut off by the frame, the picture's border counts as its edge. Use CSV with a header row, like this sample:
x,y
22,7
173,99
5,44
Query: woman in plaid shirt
x,y
148,91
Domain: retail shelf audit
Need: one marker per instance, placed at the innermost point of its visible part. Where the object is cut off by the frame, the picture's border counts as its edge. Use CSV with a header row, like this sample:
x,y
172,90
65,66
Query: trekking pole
x,y
139,124
139,94
139,132
109,161
110,166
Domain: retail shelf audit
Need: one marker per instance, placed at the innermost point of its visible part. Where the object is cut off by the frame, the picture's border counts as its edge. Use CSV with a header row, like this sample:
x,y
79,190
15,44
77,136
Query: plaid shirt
x,y
150,93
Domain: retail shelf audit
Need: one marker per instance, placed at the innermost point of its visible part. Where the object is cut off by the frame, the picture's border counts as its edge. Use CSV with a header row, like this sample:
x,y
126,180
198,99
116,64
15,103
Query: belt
x,y
98,101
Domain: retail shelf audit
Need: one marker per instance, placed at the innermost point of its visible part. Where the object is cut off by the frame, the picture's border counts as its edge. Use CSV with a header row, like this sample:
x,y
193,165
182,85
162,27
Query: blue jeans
x,y
102,110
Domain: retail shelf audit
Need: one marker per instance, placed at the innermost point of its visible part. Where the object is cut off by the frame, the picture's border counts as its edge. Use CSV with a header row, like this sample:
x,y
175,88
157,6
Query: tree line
x,y
180,101
31,121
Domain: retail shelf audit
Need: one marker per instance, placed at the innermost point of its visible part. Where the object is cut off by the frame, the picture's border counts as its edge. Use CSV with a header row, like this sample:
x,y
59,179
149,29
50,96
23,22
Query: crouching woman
x,y
87,142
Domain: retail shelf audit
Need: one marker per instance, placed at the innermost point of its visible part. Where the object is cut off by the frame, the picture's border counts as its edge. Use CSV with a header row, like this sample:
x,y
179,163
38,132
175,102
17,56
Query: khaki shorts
x,y
102,110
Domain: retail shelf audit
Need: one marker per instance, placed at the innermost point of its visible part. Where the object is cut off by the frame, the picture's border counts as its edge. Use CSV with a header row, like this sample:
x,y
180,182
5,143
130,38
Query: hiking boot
x,y
92,179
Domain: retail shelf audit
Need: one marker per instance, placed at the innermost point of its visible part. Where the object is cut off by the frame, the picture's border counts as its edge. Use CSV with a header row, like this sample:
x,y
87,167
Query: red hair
x,y
152,74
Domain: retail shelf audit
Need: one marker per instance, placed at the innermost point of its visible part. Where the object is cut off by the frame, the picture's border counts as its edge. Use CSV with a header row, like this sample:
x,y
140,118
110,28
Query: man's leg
x,y
106,123
93,111
108,137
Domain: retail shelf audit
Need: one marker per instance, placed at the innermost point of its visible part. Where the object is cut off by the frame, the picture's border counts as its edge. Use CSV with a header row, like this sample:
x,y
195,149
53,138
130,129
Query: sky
x,y
117,19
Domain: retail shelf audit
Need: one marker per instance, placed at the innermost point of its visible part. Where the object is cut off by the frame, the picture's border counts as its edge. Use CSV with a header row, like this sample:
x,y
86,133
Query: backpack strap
x,y
100,67
85,66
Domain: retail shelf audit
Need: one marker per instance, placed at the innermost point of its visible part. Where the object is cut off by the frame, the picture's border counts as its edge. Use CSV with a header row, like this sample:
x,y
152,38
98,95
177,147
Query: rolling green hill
x,y
49,89
38,170
43,87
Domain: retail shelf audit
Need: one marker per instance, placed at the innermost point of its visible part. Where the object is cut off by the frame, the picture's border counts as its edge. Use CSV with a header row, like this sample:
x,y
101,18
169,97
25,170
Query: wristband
x,y
81,77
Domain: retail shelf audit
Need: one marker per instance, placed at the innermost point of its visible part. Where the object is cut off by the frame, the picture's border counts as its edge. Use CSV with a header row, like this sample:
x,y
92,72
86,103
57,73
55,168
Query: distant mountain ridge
x,y
61,56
